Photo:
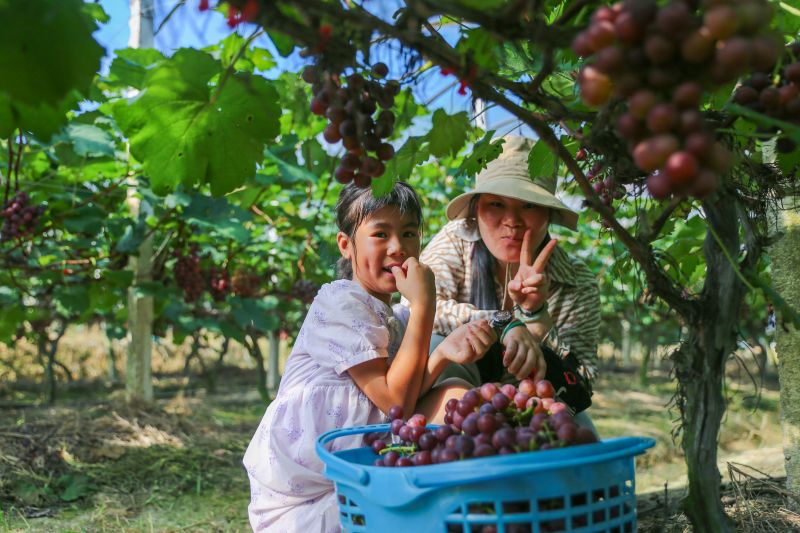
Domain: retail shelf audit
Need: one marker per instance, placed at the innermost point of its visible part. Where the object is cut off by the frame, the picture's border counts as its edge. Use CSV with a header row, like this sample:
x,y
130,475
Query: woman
x,y
495,255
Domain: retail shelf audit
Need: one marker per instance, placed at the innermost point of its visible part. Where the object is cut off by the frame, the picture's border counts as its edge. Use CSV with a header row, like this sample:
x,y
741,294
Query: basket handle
x,y
352,472
461,473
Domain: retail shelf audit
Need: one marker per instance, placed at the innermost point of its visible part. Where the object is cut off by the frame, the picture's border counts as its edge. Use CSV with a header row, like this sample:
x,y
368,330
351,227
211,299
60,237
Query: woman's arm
x,y
576,316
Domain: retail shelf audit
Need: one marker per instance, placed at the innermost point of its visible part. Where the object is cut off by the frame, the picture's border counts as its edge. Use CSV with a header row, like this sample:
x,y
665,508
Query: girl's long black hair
x,y
356,204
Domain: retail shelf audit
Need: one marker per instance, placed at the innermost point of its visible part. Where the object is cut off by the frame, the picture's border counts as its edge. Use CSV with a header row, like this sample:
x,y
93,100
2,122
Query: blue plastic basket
x,y
587,488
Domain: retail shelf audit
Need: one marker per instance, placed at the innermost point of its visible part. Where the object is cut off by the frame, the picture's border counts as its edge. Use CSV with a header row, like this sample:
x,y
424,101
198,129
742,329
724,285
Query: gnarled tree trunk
x,y
700,364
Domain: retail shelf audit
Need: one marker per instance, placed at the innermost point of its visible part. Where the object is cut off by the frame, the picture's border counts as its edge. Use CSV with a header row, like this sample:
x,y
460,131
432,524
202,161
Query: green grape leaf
x,y
260,314
87,219
230,55
413,152
89,141
383,185
43,120
6,117
96,11
71,300
185,131
36,70
130,66
101,299
10,320
789,162
448,134
131,238
283,43
217,214
542,163
262,59
483,152
480,45
289,172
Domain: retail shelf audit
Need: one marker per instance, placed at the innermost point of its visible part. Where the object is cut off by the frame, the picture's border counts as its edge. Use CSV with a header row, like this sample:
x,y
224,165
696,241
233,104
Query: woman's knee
x,y
432,404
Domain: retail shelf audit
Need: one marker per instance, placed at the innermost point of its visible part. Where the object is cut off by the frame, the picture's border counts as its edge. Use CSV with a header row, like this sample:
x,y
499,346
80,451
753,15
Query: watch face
x,y
502,318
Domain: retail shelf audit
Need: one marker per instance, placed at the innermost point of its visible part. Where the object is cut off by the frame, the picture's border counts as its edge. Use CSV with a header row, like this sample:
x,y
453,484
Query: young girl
x,y
354,358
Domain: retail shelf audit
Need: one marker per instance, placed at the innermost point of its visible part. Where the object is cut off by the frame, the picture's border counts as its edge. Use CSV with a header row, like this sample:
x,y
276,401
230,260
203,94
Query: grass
x,y
91,463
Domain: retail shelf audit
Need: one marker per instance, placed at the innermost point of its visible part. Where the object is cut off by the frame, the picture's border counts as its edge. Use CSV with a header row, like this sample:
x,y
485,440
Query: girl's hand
x,y
530,288
415,282
468,343
523,354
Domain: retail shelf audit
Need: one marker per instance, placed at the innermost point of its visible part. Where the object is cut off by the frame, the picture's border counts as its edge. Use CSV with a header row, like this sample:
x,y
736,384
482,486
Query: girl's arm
x,y
445,256
400,383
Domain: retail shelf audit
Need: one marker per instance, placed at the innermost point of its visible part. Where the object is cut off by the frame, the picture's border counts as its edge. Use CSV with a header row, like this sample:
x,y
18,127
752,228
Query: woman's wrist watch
x,y
499,321
502,322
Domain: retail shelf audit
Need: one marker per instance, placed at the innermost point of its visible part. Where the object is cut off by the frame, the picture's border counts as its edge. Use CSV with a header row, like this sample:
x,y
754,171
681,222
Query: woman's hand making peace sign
x,y
530,288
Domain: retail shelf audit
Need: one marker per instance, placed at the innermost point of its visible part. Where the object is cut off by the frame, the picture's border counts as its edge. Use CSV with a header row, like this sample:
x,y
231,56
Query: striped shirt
x,y
574,301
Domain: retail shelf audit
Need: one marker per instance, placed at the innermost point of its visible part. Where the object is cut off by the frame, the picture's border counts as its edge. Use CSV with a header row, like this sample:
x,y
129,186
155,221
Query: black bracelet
x,y
530,316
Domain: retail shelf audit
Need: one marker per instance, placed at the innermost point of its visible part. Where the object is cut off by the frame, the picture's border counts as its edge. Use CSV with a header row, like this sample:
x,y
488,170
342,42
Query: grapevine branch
x,y
485,85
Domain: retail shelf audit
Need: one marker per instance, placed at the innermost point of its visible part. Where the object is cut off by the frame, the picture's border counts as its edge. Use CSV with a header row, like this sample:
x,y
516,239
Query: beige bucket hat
x,y
508,175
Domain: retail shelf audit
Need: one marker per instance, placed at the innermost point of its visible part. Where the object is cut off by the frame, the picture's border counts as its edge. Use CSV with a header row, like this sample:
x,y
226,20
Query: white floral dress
x,y
345,326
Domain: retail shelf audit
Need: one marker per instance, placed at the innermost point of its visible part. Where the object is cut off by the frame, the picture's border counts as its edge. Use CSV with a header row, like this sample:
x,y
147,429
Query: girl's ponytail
x,y
344,268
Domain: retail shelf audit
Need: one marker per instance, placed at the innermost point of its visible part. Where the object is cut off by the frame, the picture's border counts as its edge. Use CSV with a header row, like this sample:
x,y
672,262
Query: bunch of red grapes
x,y
490,420
661,59
304,290
245,284
188,275
19,217
779,98
359,111
219,282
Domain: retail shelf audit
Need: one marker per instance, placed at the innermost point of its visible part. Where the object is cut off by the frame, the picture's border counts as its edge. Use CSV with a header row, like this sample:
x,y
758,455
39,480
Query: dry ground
x,y
92,463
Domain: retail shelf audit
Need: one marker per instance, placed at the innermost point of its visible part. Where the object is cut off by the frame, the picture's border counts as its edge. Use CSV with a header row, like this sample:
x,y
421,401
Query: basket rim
x,y
543,460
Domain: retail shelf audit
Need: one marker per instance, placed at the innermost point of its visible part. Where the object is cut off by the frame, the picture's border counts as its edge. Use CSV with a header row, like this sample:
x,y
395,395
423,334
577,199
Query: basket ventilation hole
x,y
353,504
359,520
519,528
614,512
481,508
551,526
615,529
599,516
613,491
551,504
598,495
521,506
628,527
581,520
579,499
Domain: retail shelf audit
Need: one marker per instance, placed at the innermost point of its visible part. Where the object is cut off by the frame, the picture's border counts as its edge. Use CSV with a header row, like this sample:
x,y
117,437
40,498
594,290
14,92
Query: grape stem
x,y
228,71
403,450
